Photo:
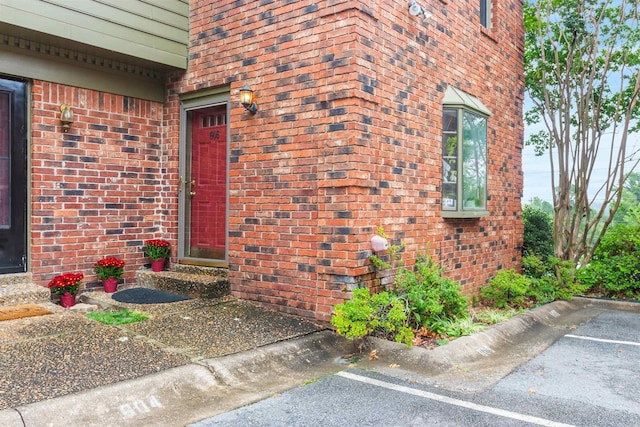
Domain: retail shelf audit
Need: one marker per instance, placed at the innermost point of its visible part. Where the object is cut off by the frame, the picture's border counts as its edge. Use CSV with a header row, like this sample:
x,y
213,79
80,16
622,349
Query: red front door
x,y
206,184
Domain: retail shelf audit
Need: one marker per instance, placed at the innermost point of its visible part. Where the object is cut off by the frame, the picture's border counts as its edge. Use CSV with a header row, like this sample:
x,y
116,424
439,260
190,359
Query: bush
x,y
378,314
507,289
538,233
421,297
433,300
544,286
614,269
534,267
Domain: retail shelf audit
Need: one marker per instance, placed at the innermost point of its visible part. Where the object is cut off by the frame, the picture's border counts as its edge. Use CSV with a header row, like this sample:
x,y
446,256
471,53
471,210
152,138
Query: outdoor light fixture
x,y
66,117
415,9
246,98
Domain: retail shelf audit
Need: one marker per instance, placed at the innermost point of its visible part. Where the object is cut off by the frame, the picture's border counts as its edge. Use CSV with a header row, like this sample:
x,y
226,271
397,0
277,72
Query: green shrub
x,y
543,290
506,289
433,300
538,233
534,267
421,296
378,314
545,286
614,269
566,284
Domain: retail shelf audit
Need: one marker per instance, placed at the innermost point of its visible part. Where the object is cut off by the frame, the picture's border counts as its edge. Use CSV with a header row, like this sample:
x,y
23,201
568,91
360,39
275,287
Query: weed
x,y
491,316
458,327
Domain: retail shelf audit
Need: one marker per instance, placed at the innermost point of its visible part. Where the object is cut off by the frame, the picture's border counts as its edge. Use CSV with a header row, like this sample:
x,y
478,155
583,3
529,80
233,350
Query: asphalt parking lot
x,y
588,377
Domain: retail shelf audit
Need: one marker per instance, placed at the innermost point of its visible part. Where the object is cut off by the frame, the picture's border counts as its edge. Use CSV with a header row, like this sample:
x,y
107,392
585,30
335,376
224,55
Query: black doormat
x,y
147,296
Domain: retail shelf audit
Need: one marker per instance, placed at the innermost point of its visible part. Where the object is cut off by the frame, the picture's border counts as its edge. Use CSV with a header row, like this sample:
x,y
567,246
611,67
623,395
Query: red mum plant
x,y
157,249
67,282
109,267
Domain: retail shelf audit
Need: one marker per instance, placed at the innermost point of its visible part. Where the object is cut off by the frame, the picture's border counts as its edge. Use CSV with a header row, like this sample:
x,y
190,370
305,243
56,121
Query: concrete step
x,y
192,281
19,289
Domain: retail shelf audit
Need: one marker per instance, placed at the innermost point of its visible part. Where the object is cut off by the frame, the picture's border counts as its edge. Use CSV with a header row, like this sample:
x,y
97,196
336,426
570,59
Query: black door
x,y
13,176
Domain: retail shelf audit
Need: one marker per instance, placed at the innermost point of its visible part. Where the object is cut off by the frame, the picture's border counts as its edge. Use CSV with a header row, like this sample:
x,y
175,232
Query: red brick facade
x,y
347,138
100,189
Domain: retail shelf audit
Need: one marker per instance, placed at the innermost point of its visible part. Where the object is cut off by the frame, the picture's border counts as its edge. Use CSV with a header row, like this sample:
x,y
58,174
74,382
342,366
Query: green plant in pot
x,y
158,250
109,270
109,267
66,286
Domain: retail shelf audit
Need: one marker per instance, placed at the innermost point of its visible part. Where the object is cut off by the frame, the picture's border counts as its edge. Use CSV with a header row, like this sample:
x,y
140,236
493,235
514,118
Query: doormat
x,y
20,311
147,296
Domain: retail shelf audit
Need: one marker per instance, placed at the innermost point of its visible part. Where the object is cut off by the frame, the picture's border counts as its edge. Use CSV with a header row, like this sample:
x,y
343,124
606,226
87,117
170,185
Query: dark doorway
x,y
13,176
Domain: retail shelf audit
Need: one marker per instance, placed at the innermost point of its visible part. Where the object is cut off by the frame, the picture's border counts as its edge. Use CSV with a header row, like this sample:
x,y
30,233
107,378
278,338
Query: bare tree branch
x,y
582,72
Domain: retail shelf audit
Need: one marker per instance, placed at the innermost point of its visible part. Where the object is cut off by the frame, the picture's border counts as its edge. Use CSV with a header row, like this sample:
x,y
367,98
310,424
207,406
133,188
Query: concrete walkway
x,y
196,359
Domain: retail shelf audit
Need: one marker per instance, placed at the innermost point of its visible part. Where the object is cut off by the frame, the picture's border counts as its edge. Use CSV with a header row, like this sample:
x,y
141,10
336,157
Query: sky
x,y
537,176
537,170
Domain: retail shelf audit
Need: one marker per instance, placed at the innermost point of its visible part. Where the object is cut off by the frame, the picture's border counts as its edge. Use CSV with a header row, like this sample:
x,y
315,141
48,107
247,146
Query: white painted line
x,y
603,340
452,401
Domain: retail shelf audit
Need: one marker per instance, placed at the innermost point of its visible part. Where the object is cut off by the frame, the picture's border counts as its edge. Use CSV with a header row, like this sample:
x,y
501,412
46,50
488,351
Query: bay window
x,y
464,156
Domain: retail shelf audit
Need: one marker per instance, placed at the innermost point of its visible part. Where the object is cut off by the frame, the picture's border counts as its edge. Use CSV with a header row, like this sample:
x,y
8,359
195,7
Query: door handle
x,y
192,183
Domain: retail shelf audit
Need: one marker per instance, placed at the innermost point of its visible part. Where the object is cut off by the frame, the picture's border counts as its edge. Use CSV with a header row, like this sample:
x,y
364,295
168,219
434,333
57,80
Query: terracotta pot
x,y
110,285
67,300
157,265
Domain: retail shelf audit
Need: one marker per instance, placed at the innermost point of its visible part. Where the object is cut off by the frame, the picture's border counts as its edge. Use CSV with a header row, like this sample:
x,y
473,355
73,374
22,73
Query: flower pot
x,y
157,265
67,300
110,285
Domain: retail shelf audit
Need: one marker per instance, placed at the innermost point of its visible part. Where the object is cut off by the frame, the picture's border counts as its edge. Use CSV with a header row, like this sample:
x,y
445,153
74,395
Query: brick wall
x,y
100,189
348,138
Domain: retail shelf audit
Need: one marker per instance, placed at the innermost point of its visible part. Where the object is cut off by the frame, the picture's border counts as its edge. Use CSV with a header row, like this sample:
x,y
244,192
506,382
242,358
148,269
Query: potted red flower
x,y
66,286
109,270
158,250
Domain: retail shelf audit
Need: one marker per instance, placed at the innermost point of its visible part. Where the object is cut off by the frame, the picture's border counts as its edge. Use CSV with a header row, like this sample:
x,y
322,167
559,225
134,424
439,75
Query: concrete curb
x,y
193,392
201,390
475,362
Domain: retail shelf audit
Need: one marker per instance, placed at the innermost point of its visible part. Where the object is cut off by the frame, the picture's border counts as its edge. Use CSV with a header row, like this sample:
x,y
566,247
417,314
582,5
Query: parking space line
x,y
581,337
453,401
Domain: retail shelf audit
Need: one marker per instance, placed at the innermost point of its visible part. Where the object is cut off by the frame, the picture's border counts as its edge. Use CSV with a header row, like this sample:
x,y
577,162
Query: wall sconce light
x,y
415,9
66,117
246,98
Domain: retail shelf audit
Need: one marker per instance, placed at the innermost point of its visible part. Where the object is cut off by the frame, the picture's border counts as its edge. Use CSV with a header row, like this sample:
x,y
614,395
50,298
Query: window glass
x,y
485,13
474,160
464,162
450,159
